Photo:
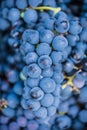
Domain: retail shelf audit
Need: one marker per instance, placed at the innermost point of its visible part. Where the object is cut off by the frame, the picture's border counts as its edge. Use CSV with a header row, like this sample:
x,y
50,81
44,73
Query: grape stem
x,y
73,88
55,10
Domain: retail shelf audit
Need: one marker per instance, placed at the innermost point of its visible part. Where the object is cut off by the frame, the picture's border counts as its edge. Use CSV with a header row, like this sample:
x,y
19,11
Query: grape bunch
x,y
46,65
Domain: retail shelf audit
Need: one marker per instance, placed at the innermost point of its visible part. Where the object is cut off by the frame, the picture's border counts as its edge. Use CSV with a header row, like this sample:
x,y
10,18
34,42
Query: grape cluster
x,y
43,65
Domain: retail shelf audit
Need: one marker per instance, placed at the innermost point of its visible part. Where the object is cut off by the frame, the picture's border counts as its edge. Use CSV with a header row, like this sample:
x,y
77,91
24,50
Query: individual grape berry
x,y
32,125
12,100
31,57
23,103
4,24
51,110
31,36
41,113
36,93
32,82
13,126
21,121
63,122
26,92
21,4
33,105
46,36
83,116
47,72
26,47
34,70
47,100
35,3
44,61
14,14
30,16
48,85
59,43
10,3
56,101
58,77
75,27
62,25
9,112
56,56
43,49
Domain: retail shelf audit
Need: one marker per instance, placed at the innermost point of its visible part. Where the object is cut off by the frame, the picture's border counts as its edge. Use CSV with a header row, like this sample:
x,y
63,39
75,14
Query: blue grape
x,y
9,112
34,70
79,81
57,67
18,88
47,100
44,61
51,3
75,27
26,47
83,116
4,119
32,82
83,95
21,4
72,39
58,77
43,16
56,56
51,110
48,85
36,93
59,43
10,3
31,36
56,101
47,72
41,113
12,100
57,90
13,126
68,66
26,92
49,23
21,121
73,111
44,127
4,24
64,122
31,57
23,103
62,25
83,35
66,93
35,3
78,125
19,111
14,14
46,36
3,127
43,49
30,16
32,125
29,114
33,105
64,107
61,15
12,76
